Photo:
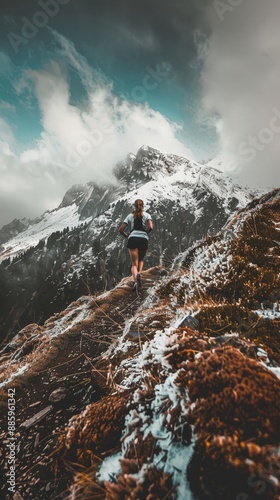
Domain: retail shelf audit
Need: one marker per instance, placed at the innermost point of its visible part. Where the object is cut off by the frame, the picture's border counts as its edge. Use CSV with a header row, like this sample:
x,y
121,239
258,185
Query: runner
x,y
136,228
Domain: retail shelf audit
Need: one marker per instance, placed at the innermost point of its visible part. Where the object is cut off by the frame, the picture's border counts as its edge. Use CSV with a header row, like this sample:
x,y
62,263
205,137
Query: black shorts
x,y
140,243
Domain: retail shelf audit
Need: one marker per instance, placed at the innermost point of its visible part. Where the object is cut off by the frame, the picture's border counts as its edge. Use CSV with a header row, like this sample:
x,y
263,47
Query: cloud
x,y
6,65
240,87
6,134
6,106
146,42
79,142
23,189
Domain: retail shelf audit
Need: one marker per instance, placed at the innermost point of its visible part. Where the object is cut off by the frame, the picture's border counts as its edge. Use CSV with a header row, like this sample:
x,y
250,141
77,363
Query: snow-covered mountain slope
x,y
219,163
77,247
171,394
222,164
9,231
49,223
79,206
169,177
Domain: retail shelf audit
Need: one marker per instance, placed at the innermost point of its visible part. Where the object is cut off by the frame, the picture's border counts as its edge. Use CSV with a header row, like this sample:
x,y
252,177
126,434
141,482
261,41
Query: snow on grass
x,y
17,373
273,369
53,328
208,263
172,456
265,361
152,351
269,313
110,468
178,458
150,417
70,319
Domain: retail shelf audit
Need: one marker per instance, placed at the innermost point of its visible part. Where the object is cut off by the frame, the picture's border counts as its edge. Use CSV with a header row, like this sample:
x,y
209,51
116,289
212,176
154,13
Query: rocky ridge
x,y
170,394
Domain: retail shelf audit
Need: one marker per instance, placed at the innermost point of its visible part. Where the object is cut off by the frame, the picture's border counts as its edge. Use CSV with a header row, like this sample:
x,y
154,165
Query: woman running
x,y
136,228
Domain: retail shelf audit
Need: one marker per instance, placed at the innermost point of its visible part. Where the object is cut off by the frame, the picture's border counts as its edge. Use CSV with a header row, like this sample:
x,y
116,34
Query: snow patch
x,y
19,372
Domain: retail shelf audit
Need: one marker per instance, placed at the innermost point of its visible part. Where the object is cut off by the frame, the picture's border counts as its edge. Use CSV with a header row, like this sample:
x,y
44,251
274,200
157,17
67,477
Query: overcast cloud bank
x,y
82,142
233,45
240,87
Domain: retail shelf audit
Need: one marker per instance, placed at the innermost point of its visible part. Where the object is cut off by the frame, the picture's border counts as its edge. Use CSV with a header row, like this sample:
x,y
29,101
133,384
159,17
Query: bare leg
x,y
140,265
141,256
133,252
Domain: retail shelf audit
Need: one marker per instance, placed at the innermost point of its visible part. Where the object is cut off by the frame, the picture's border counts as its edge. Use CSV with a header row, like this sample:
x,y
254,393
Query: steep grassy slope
x,y
170,394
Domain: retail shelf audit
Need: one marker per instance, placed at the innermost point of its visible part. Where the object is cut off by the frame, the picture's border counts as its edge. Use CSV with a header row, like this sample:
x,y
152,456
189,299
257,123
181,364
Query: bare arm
x,y
122,230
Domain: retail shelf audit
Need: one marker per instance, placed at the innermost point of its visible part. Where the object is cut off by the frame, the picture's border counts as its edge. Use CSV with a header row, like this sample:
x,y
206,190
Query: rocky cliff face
x,y
170,394
76,248
9,231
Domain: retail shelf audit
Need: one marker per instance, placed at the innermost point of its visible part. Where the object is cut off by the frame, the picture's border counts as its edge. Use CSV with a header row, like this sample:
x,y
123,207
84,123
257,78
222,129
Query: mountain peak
x,y
146,165
183,185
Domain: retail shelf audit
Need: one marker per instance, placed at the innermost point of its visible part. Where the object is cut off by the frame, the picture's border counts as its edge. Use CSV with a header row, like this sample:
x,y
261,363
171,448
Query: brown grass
x,y
96,431
236,418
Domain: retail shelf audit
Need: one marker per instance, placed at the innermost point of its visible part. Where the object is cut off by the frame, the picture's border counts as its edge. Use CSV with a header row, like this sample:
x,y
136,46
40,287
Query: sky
x,y
85,82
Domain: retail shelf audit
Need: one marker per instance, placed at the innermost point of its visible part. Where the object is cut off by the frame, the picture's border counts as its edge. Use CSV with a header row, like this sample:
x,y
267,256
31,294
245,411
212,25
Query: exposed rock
x,y
17,496
190,322
12,229
37,418
57,395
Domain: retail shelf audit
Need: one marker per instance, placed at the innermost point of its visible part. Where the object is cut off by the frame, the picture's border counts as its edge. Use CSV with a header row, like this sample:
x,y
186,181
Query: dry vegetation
x,y
237,422
228,404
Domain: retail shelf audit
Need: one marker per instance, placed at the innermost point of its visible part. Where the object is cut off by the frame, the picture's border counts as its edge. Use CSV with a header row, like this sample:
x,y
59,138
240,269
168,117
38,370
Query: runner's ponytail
x,y
139,208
